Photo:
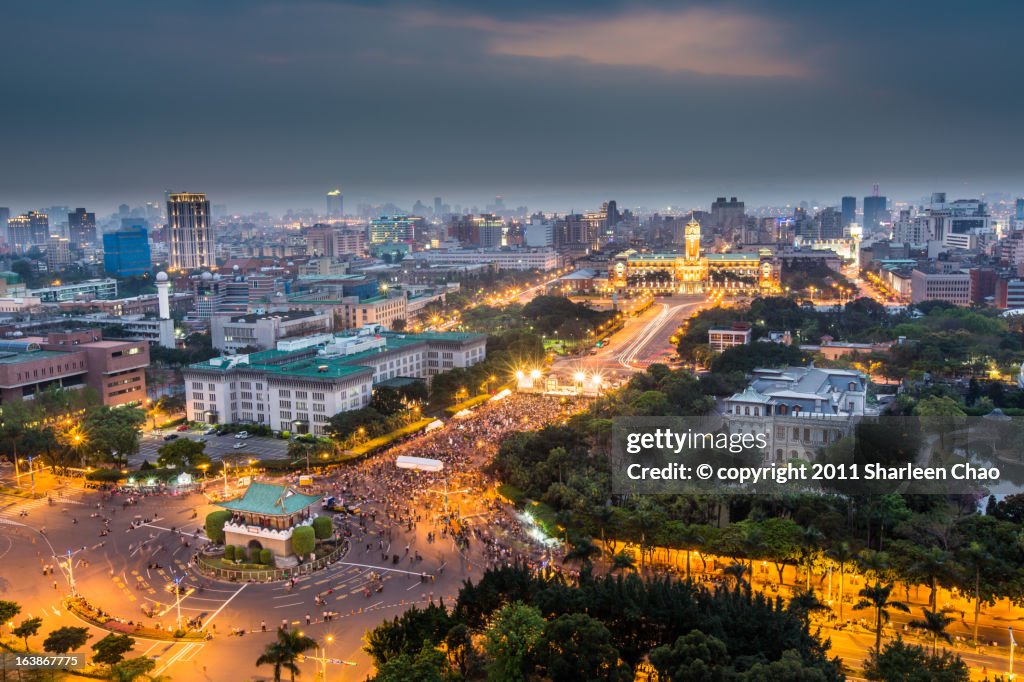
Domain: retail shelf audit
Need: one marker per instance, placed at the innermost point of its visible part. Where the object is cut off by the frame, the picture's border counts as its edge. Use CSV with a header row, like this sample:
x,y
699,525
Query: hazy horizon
x,y
266,104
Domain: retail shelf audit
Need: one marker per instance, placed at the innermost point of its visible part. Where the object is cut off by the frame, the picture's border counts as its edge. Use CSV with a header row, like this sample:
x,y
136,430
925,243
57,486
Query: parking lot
x,y
216,446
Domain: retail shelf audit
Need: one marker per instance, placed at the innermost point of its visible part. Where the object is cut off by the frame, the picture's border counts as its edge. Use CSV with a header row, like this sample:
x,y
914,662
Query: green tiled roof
x,y
733,256
447,336
269,499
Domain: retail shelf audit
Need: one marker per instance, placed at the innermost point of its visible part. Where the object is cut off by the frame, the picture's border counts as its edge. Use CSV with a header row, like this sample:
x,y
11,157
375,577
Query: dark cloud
x,y
270,103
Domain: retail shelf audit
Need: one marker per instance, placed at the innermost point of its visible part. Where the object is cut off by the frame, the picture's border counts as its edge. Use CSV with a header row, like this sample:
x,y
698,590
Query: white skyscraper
x,y
191,234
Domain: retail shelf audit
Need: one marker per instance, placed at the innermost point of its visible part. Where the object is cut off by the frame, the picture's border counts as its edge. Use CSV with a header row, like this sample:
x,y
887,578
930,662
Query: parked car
x,y
242,434
171,436
183,427
210,431
238,446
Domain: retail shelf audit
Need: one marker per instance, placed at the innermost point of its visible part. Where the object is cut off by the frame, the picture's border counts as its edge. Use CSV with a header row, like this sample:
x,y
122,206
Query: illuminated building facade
x,y
190,231
692,272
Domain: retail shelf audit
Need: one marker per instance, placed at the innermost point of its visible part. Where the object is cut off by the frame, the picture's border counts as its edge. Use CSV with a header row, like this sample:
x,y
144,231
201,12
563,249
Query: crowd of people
x,y
458,502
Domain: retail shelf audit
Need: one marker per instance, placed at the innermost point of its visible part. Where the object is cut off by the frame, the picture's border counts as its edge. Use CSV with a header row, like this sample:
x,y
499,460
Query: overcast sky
x,y
269,103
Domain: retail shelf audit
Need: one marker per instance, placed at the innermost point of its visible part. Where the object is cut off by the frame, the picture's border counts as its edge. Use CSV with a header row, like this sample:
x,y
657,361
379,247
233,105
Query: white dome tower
x,y
163,292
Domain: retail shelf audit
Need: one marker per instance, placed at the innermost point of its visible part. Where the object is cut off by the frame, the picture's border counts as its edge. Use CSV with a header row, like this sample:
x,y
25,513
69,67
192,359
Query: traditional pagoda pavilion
x,y
265,516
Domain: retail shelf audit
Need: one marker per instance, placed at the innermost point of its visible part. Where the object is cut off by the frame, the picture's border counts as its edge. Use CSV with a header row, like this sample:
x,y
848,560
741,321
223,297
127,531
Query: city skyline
x,y
767,101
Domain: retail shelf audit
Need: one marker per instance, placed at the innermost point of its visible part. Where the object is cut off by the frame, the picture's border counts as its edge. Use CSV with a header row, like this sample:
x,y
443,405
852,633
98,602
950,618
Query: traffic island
x,y
217,568
103,620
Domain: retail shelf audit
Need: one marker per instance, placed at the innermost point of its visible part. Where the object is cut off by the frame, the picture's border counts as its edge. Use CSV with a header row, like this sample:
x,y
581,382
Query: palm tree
x,y
810,542
689,538
935,623
877,597
274,654
583,550
843,555
875,564
283,653
737,571
932,565
803,603
623,561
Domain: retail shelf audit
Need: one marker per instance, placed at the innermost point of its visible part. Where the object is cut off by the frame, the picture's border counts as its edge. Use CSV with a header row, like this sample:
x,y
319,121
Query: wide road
x,y
642,341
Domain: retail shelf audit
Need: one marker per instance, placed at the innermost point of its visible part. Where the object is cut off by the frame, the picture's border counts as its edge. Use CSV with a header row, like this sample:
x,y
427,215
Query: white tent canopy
x,y
419,463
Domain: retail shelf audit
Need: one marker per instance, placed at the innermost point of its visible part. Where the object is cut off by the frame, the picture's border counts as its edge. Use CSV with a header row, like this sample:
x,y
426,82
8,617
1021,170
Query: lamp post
x,y
327,640
69,557
225,479
177,599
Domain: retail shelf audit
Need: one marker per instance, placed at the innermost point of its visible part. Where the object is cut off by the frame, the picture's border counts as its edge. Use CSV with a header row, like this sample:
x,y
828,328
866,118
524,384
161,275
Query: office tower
x,y
126,252
5,215
398,228
489,231
849,209
335,204
438,207
1018,214
727,216
829,223
82,227
874,213
540,233
58,253
188,217
28,230
611,212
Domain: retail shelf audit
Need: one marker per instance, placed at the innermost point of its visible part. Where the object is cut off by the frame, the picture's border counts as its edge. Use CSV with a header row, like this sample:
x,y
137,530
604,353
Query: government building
x,y
304,382
692,272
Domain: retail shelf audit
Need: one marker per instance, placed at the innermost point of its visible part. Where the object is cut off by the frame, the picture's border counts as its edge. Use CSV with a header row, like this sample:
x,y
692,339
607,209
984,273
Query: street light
x,y
177,597
327,640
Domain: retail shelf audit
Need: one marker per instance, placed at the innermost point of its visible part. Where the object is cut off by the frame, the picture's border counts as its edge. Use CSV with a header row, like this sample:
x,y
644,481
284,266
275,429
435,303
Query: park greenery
x,y
899,542
514,624
932,341
68,429
108,652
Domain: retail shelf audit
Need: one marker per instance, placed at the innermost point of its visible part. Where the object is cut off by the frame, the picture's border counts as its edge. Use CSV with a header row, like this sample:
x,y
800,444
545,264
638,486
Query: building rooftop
x,y
269,499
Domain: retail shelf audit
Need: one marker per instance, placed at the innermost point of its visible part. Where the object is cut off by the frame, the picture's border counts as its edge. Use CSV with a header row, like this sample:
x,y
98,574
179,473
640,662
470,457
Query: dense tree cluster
x,y
70,428
515,625
558,315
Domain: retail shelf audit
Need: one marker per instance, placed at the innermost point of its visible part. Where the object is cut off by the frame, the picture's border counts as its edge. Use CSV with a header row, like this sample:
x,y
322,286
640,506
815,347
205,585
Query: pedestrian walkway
x,y
14,510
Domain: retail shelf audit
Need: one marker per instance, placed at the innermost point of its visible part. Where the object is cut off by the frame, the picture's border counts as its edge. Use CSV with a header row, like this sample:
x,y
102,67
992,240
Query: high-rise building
x,y
1018,214
849,209
28,230
829,223
5,215
611,212
398,228
489,231
438,207
727,215
335,204
191,234
126,252
82,227
540,233
58,253
875,213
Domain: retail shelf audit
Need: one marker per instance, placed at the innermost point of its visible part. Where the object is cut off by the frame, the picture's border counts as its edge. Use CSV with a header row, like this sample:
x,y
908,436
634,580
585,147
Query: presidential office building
x,y
692,272
304,382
